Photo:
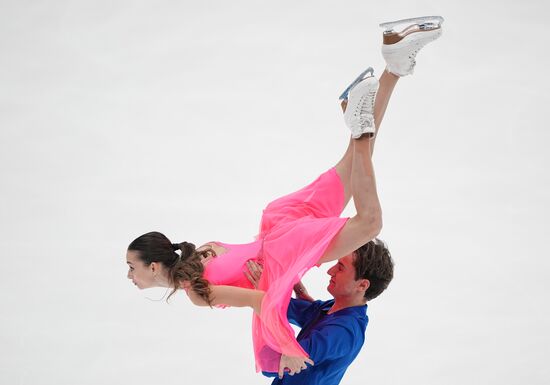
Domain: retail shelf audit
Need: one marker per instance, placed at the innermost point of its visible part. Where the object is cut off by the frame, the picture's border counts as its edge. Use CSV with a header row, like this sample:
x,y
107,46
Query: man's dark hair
x,y
373,262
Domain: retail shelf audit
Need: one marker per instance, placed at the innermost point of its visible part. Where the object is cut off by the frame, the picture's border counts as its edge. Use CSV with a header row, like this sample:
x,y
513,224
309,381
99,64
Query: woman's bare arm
x,y
231,296
238,297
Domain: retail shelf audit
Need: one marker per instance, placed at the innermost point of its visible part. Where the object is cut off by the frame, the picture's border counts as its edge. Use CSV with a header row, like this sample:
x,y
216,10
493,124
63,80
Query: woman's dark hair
x,y
373,262
156,247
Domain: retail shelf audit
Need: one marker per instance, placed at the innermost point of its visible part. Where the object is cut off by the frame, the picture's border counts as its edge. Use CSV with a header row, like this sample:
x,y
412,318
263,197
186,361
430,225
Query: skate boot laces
x,y
359,115
364,111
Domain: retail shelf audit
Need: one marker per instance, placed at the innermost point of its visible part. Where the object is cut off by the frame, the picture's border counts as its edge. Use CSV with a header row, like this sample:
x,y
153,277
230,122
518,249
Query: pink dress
x,y
295,232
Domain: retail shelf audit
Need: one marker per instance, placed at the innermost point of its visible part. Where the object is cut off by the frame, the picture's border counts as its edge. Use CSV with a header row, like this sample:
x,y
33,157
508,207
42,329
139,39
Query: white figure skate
x,y
359,115
400,48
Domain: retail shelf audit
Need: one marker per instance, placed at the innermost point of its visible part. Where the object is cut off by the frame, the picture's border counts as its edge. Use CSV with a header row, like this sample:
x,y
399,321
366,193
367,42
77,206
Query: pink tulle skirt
x,y
296,231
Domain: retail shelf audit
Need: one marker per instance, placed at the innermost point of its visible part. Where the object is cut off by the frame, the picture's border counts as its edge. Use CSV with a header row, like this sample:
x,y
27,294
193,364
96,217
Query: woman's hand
x,y
294,365
254,272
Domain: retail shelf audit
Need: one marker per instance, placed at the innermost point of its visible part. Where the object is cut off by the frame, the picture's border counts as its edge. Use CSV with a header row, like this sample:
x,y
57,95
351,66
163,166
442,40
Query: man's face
x,y
342,282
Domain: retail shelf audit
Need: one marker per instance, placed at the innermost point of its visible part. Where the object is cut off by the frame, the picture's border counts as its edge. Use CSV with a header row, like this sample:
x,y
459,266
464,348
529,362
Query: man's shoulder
x,y
353,319
312,306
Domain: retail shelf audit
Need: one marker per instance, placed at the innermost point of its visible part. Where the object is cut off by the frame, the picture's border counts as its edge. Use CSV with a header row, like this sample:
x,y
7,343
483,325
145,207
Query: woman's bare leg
x,y
344,166
367,222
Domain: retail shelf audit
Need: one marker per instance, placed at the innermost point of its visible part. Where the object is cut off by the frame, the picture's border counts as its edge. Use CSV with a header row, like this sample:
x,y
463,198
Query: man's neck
x,y
344,302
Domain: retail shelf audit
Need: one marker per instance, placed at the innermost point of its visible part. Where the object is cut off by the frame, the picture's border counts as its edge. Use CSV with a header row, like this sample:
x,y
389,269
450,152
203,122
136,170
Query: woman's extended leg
x,y
399,50
344,166
367,223
322,198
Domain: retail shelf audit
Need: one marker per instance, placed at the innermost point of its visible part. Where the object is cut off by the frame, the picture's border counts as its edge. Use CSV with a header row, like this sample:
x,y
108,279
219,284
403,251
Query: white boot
x,y
359,115
399,49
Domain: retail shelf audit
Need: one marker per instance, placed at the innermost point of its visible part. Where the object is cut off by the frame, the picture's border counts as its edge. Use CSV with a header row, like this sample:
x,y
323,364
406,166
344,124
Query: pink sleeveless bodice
x,y
228,268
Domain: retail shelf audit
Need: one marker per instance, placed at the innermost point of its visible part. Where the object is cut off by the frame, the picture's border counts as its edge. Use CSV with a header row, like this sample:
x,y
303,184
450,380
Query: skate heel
x,y
390,38
362,76
425,23
399,49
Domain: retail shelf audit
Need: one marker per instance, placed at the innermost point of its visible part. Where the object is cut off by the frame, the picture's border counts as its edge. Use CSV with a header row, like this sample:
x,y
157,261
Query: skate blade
x,y
357,80
424,22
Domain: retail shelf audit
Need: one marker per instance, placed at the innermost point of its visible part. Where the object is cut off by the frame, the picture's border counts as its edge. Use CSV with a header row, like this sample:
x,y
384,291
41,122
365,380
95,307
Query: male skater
x,y
333,331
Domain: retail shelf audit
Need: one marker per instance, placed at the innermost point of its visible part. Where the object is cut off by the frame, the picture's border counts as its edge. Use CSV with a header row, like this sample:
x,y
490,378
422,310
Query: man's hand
x,y
254,272
294,365
301,292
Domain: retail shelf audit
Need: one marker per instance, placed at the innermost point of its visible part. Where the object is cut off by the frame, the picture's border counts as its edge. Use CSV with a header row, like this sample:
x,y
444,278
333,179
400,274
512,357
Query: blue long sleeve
x,y
331,340
301,312
329,343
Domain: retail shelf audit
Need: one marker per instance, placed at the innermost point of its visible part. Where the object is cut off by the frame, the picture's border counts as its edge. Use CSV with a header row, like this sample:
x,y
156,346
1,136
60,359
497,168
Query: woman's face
x,y
141,275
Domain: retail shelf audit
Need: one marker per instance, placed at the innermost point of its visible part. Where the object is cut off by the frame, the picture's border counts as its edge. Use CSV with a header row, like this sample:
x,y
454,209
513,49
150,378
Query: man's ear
x,y
364,284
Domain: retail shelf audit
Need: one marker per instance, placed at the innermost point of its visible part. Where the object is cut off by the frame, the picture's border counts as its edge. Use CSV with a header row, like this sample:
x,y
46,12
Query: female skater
x,y
297,231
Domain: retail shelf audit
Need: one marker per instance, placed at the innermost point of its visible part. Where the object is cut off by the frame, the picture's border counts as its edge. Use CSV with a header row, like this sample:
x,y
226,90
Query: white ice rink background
x,y
119,118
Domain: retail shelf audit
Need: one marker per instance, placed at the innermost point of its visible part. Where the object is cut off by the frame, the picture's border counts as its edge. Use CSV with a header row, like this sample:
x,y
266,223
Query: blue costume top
x,y
332,340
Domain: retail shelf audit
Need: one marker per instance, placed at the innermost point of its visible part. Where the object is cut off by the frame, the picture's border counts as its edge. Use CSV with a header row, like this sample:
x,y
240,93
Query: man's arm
x,y
329,343
301,311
